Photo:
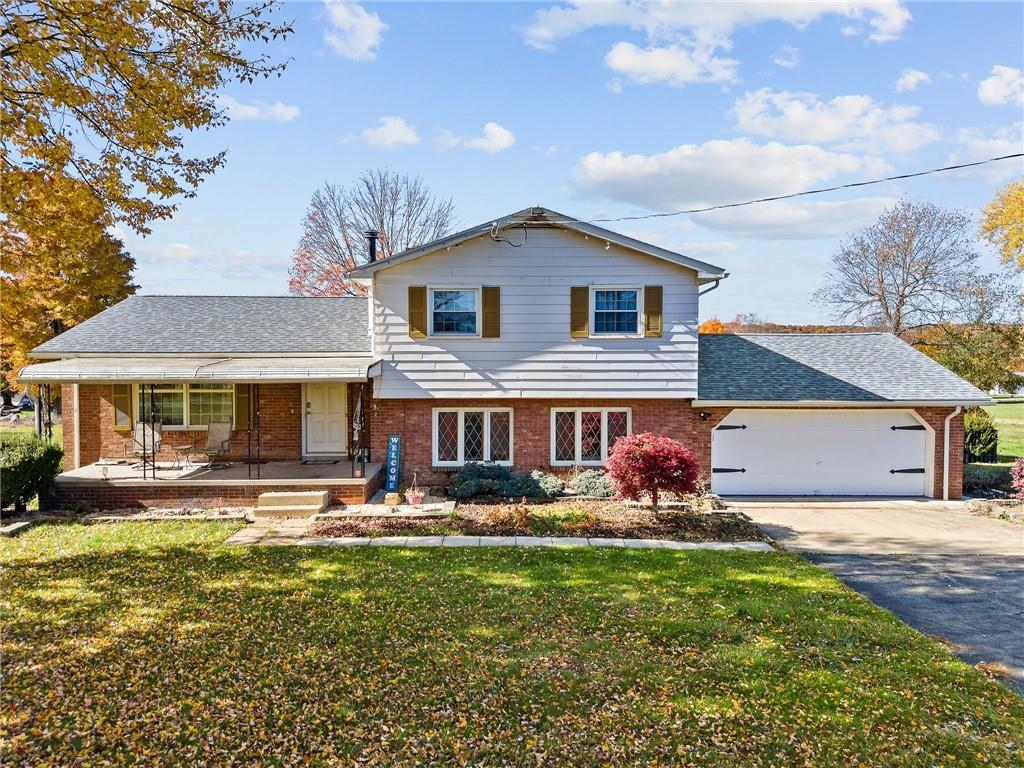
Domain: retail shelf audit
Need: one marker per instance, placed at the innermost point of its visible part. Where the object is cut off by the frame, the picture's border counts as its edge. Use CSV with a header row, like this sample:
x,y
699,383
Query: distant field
x,y
1009,419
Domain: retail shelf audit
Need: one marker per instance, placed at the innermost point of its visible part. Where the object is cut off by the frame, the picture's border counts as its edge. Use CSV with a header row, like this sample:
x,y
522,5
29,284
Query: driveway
x,y
938,567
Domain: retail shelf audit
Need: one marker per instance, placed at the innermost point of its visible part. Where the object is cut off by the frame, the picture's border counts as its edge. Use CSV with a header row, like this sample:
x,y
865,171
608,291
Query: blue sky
x,y
612,109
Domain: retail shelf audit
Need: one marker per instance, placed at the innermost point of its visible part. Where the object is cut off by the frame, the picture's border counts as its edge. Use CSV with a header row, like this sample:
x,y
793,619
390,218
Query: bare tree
x,y
915,266
402,209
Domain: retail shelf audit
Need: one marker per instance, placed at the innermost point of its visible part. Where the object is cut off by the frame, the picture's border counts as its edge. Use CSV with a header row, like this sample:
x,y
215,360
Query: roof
x,y
239,369
840,367
545,217
219,325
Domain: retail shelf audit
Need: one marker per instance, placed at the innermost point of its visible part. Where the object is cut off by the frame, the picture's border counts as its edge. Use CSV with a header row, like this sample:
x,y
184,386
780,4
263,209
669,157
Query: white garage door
x,y
841,453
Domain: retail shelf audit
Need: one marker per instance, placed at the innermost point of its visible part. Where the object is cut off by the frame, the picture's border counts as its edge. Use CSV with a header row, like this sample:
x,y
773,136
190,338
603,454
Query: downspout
x,y
709,290
76,455
945,452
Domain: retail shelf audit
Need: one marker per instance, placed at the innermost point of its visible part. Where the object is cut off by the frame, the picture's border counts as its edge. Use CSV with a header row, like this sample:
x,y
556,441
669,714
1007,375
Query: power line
x,y
801,194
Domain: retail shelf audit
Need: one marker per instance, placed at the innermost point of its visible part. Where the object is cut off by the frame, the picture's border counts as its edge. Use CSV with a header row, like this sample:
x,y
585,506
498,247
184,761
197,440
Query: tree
x,y
909,268
1003,224
645,463
69,269
402,209
103,92
713,325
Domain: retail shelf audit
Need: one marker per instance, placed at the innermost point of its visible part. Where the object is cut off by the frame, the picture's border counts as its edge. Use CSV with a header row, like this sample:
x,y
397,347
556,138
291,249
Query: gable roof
x,y
828,367
545,217
219,325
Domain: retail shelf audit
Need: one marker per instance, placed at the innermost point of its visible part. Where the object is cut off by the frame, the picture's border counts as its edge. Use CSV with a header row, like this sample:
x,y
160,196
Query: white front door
x,y
325,418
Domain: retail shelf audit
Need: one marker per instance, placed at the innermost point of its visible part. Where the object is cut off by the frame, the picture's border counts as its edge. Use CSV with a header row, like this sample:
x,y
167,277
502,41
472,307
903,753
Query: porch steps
x,y
282,504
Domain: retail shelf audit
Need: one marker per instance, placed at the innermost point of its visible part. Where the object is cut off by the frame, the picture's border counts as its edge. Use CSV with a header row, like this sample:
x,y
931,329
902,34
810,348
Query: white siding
x,y
535,356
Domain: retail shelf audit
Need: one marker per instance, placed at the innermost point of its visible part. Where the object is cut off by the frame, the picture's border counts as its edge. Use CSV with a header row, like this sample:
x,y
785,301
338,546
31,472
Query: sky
x,y
613,109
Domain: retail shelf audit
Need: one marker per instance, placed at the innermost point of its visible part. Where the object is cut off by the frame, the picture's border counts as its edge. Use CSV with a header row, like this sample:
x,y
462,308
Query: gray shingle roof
x,y
854,367
220,325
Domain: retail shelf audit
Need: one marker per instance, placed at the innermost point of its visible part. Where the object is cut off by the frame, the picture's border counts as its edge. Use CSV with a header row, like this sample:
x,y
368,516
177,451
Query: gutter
x,y
945,451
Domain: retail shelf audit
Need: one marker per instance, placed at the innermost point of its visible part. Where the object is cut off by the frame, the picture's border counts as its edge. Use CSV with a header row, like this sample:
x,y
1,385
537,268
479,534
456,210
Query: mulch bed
x,y
603,520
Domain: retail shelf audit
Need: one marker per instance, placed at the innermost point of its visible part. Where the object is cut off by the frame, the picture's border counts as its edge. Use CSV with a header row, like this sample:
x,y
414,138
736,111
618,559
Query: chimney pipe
x,y
371,236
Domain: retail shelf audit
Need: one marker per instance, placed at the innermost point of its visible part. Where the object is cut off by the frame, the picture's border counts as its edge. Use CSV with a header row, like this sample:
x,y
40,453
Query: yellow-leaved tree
x,y
1002,224
713,325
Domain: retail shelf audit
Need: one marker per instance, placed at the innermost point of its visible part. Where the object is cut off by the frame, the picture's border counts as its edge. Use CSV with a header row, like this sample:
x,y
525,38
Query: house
x,y
535,341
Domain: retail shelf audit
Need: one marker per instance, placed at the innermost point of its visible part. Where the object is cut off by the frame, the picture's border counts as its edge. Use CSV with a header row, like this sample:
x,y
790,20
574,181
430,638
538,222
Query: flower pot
x,y
415,498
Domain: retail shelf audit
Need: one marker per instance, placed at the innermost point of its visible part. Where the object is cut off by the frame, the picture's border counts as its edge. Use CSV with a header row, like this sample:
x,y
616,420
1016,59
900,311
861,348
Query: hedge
x,y
981,439
27,468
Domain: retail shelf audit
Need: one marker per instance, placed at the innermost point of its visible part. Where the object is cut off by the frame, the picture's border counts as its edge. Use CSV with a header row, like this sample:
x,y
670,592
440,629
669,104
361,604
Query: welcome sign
x,y
394,463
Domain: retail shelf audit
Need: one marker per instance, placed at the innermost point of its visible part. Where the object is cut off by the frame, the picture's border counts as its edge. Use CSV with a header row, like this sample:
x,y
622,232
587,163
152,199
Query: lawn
x,y
151,643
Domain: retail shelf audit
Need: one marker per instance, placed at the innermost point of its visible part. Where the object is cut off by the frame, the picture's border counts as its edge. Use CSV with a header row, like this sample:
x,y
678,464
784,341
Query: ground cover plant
x,y
153,644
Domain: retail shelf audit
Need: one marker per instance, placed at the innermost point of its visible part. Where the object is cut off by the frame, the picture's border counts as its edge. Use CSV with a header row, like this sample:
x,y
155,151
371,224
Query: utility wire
x,y
797,194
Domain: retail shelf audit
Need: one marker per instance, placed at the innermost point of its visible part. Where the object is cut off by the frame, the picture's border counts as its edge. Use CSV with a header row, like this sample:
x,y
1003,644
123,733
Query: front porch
x,y
112,485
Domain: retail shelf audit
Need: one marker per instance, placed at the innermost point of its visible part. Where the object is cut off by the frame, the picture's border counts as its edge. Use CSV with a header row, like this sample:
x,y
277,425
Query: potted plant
x,y
413,494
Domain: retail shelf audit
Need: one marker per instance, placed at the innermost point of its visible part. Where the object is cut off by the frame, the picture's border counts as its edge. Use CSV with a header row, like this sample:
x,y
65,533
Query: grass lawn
x,y
152,644
26,431
1009,421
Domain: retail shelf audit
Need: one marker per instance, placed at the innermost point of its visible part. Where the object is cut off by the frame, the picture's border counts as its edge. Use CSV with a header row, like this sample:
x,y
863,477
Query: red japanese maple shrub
x,y
648,464
1017,478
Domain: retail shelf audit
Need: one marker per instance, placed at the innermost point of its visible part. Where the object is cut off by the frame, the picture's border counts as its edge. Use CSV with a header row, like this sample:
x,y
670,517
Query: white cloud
x,y
614,85
278,112
707,251
796,220
354,32
859,122
976,144
235,263
496,138
1004,86
390,132
910,79
786,57
672,64
720,171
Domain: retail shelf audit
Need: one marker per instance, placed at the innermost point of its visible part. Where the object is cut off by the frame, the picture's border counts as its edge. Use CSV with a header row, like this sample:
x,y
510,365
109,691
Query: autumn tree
x,y
103,93
402,209
69,269
910,268
1002,224
712,325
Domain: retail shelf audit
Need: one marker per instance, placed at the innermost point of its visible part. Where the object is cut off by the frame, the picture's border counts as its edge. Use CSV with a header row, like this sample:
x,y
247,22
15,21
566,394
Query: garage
x,y
852,452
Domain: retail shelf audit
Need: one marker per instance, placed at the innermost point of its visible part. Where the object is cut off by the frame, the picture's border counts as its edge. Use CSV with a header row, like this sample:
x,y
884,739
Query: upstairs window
x,y
616,311
454,311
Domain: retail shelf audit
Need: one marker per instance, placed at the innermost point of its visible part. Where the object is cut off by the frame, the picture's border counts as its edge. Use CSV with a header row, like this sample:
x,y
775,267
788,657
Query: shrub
x,y
648,464
534,485
27,467
981,439
593,482
495,480
1017,478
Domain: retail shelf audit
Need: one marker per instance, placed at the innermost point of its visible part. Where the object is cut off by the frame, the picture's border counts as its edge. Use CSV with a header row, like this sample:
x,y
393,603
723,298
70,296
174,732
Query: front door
x,y
325,418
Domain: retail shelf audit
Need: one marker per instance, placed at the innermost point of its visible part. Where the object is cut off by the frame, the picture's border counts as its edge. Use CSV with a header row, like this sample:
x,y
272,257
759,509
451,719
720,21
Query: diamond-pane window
x,y
473,436
448,436
590,436
617,427
501,436
565,436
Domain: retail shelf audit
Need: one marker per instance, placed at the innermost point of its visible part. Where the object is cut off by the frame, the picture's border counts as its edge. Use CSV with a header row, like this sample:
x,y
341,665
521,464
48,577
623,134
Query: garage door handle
x,y
914,471
731,426
912,427
717,470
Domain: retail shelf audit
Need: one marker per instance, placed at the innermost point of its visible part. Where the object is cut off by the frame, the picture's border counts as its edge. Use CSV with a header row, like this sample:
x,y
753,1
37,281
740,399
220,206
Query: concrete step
x,y
286,511
294,498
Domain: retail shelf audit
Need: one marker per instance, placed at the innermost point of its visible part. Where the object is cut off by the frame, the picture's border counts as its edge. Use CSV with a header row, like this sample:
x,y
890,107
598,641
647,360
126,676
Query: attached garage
x,y
815,452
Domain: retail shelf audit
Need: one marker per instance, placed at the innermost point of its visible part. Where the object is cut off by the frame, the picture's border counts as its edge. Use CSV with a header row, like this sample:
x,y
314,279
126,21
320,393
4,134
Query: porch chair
x,y
218,442
144,444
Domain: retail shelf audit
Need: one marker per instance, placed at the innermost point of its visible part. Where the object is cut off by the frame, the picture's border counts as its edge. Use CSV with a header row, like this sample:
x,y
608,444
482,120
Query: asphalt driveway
x,y
938,567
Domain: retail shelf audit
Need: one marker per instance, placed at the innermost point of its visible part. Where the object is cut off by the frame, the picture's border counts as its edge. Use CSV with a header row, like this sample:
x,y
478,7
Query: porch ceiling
x,y
235,369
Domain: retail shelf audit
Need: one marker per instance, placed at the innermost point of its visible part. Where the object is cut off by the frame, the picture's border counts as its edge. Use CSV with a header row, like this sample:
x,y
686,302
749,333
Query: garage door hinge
x,y
913,471
731,426
913,428
717,470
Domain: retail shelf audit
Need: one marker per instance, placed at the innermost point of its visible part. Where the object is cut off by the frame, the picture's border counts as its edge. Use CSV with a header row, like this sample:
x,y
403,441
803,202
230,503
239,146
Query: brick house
x,y
535,342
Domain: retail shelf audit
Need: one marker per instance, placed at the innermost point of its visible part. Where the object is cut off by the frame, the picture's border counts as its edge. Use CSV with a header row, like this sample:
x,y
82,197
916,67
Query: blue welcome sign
x,y
394,463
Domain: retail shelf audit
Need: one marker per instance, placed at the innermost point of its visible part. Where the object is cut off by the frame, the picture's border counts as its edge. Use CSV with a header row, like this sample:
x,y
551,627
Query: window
x,y
616,311
462,435
121,400
585,436
454,311
185,406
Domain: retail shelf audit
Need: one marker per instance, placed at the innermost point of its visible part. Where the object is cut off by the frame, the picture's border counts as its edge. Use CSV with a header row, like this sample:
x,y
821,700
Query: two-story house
x,y
534,341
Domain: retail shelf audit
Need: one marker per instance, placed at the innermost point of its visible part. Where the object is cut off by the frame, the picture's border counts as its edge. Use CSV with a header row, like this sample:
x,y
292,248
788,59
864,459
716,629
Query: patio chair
x,y
218,443
144,444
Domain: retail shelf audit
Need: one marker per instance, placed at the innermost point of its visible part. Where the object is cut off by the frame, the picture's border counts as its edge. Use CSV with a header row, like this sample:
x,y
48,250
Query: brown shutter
x,y
417,311
492,312
652,310
243,396
579,312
